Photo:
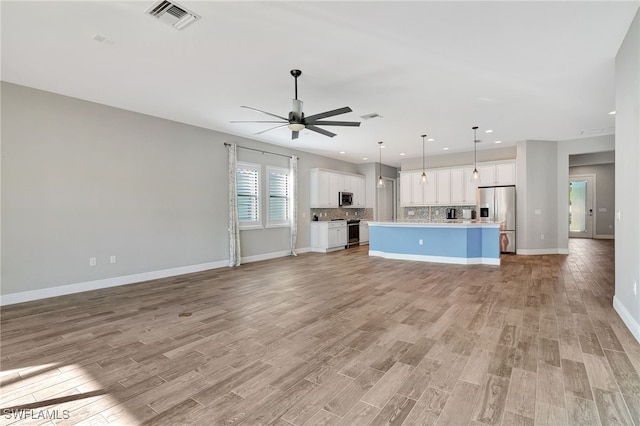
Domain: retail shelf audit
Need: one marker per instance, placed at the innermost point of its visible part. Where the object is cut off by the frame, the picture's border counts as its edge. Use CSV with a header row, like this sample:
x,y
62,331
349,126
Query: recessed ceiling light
x,y
498,142
488,131
445,149
342,152
430,140
382,147
612,113
402,153
365,158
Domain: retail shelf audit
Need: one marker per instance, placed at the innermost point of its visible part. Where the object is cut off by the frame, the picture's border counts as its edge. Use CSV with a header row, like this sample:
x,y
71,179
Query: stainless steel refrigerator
x,y
498,204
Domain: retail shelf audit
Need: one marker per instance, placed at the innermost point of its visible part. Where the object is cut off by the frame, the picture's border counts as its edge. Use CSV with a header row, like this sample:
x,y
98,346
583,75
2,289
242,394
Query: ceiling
x,y
527,70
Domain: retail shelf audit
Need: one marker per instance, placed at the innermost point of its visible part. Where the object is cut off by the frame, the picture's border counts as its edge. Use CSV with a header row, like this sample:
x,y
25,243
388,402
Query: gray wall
x,y
537,205
604,195
83,180
566,150
626,302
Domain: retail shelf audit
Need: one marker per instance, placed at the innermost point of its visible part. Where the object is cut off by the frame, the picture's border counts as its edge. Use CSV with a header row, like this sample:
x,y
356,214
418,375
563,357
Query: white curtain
x,y
293,166
234,226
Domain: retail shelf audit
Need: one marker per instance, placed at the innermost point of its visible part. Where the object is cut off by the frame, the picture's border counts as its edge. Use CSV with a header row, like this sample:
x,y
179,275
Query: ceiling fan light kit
x,y
296,120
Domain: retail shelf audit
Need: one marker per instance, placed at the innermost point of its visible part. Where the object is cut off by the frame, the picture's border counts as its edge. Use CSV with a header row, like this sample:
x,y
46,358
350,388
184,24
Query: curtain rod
x,y
260,150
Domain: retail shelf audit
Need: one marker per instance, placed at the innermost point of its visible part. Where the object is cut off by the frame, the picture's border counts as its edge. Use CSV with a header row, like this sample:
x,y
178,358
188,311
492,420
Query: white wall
x,y
82,180
627,146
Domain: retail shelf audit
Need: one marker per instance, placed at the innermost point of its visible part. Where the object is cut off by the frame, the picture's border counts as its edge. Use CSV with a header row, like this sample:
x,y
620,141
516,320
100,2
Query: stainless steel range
x,y
353,232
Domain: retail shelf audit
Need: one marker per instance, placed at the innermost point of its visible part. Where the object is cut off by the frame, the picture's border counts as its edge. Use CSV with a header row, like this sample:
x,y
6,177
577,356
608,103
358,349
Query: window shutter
x,y
248,185
278,196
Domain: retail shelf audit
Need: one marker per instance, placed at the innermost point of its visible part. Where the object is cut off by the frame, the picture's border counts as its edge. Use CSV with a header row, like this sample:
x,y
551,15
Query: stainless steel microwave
x,y
345,199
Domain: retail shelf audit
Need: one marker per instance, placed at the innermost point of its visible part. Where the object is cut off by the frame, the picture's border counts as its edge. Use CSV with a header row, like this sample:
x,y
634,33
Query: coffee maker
x,y
451,213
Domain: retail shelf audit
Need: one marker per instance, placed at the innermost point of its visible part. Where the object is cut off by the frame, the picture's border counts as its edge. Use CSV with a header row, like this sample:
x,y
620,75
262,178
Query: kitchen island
x,y
463,243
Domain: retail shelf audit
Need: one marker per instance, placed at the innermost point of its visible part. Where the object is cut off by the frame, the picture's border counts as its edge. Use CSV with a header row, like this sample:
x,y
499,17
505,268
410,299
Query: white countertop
x,y
440,224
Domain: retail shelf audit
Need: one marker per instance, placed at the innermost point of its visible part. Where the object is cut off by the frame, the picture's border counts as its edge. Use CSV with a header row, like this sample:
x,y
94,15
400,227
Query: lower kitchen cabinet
x,y
328,236
364,233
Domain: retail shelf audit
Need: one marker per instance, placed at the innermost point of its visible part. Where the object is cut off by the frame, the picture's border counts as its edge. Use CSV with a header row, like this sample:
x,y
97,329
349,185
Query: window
x,y
278,181
248,187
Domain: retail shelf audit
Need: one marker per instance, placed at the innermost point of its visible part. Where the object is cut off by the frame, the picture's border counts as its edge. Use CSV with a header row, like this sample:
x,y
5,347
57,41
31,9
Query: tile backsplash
x,y
433,213
350,213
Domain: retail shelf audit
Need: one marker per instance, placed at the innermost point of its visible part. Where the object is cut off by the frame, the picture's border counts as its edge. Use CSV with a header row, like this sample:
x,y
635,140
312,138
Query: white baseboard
x,y
626,317
535,252
28,296
604,237
437,259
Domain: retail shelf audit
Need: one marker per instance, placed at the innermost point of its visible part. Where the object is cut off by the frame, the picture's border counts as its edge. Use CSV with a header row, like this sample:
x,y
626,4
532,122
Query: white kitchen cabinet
x,y
443,187
452,186
364,232
410,190
359,190
502,173
487,174
328,236
429,189
463,189
326,184
506,173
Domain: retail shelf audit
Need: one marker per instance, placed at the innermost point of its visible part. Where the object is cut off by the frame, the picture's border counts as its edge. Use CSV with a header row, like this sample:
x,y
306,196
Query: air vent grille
x,y
172,14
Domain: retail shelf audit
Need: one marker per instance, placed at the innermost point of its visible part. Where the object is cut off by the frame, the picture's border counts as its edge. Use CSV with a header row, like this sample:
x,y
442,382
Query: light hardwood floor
x,y
333,339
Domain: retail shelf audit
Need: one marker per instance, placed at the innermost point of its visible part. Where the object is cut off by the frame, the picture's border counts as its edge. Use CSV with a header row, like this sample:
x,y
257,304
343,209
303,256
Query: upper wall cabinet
x,y
452,187
503,173
463,189
436,191
326,184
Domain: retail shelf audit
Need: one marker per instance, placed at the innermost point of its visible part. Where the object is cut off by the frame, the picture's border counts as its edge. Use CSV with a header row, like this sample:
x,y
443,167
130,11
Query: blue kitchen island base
x,y
459,243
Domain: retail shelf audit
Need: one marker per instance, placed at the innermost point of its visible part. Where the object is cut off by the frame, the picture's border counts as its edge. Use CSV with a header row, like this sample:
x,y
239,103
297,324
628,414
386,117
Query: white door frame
x,y
591,196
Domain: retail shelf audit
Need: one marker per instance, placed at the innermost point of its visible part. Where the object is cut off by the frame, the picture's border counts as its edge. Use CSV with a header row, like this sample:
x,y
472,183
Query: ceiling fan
x,y
297,121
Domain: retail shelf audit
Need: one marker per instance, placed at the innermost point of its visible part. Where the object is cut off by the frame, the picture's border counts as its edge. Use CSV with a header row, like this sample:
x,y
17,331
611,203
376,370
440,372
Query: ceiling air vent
x,y
172,14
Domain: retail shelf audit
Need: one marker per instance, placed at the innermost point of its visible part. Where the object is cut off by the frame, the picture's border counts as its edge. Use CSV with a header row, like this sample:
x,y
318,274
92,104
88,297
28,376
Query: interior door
x,y
581,206
386,206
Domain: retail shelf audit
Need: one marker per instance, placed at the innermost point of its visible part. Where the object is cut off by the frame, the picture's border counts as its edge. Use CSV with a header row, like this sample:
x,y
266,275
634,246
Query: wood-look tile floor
x,y
335,339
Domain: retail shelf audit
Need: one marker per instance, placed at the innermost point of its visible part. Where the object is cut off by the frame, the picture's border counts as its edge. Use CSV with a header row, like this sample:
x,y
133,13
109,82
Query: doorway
x,y
386,201
582,190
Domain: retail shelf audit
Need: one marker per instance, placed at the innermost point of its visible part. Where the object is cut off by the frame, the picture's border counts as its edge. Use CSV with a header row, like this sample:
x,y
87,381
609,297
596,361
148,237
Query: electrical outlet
x,y
420,241
112,259
92,261
411,213
542,236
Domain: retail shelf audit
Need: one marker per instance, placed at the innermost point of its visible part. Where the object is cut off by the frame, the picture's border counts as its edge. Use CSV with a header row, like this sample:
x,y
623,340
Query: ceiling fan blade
x,y
271,128
331,113
319,130
294,135
334,123
255,121
264,112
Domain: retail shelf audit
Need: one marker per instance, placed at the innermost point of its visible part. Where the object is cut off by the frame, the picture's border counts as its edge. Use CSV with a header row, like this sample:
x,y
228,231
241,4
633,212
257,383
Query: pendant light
x,y
423,177
380,180
475,175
